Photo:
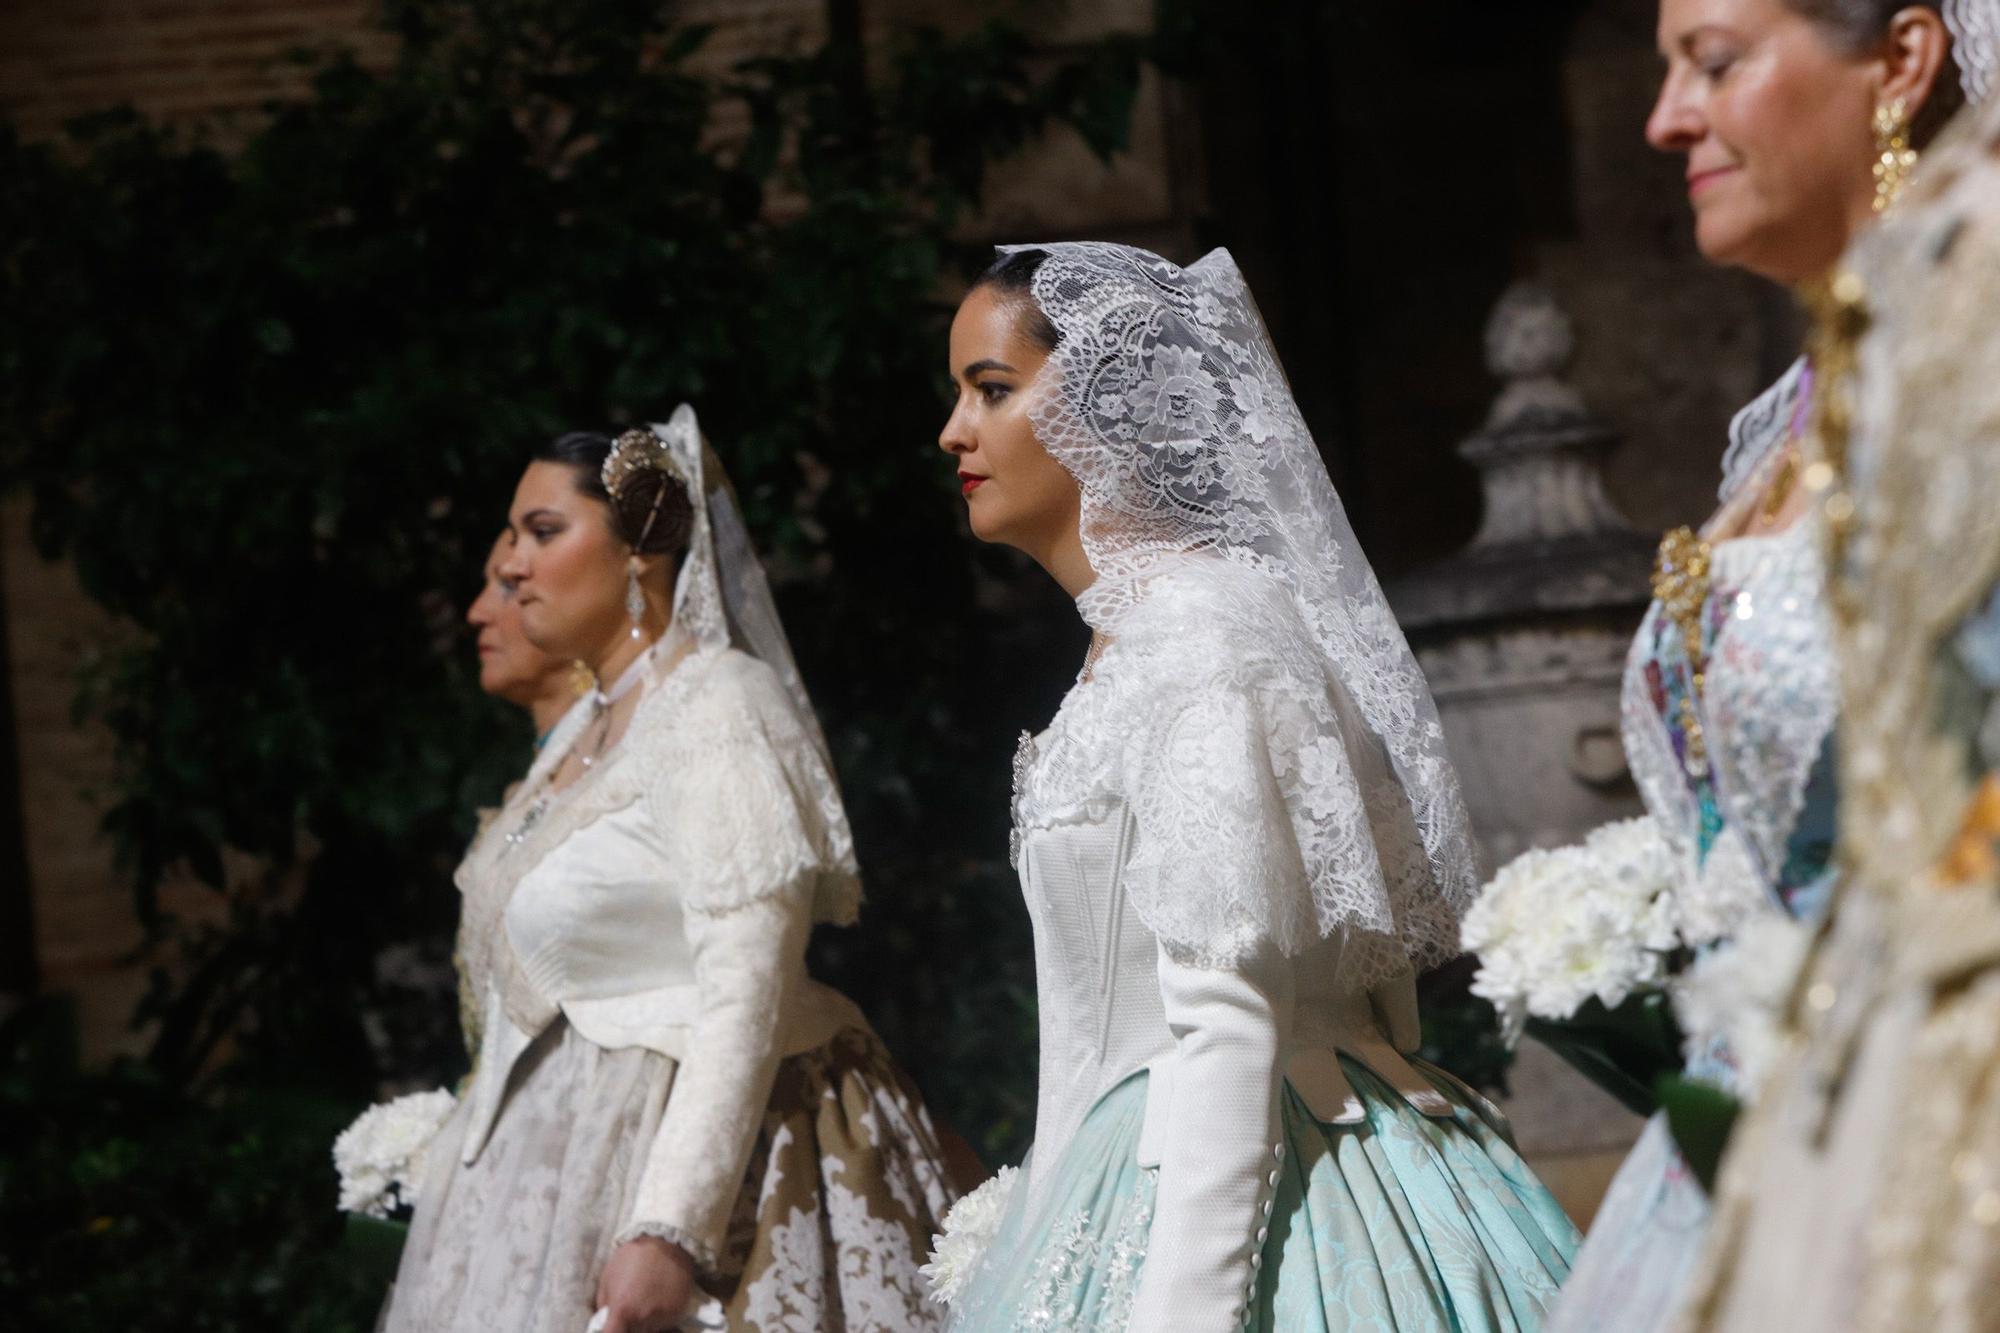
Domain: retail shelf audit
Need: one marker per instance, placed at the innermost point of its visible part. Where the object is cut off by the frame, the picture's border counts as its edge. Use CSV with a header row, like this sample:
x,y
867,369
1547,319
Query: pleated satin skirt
x,y
1400,1223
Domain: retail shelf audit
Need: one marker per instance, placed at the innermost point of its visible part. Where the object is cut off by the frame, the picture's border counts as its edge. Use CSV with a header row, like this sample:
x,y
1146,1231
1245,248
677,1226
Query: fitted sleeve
x,y
695,1168
1222,1158
747,842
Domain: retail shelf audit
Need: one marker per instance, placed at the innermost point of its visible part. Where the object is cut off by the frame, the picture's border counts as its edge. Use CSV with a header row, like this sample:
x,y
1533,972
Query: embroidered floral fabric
x,y
843,1185
1400,1223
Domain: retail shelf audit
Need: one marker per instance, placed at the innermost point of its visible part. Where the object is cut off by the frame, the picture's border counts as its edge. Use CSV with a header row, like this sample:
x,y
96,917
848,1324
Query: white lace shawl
x,y
1293,701
1265,808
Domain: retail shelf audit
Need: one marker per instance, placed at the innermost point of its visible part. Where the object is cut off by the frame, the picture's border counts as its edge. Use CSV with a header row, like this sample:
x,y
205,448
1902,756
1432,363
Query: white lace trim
x,y
1264,808
703,1254
1768,705
1166,401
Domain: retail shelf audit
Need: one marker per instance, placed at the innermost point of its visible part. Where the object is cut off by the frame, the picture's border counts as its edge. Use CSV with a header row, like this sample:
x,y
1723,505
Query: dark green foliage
x,y
124,1204
1627,1051
272,405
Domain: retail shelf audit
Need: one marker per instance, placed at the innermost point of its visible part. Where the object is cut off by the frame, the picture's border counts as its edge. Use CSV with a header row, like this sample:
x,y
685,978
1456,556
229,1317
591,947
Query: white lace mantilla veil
x,y
1165,399
723,600
1975,44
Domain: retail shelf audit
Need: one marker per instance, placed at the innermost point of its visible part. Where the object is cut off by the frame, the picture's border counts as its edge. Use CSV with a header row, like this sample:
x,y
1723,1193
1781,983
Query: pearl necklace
x,y
601,703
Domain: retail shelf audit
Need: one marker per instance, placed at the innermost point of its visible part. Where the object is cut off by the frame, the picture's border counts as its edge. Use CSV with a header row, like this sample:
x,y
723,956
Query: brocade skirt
x,y
844,1187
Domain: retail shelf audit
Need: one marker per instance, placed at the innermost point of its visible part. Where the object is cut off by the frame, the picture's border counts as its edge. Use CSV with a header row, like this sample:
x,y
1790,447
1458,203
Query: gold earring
x,y
1894,158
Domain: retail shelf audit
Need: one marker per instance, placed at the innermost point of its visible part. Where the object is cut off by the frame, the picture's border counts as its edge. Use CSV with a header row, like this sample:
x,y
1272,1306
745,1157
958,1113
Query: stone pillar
x,y
1523,635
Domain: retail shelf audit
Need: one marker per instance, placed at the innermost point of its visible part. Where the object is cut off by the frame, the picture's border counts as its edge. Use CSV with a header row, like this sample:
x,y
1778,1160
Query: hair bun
x,y
648,491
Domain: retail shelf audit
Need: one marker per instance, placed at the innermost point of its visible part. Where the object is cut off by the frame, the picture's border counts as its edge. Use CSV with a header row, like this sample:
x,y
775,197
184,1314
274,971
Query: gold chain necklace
x,y
1681,583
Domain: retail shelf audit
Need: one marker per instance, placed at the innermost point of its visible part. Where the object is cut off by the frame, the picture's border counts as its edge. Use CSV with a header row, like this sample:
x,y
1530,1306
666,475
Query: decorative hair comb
x,y
633,455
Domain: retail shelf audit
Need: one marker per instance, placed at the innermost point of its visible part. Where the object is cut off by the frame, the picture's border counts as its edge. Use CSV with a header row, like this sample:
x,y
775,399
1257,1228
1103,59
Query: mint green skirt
x,y
1400,1223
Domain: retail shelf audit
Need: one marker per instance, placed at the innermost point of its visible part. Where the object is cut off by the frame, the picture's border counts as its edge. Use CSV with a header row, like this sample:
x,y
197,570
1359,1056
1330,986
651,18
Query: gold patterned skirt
x,y
845,1186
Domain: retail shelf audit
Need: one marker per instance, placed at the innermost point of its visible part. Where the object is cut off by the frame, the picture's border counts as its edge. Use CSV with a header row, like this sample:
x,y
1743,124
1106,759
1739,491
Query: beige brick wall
x,y
86,933
173,59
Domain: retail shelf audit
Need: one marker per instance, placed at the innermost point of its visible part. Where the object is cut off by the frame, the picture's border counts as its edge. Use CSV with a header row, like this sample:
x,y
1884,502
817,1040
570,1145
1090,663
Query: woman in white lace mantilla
x,y
668,1124
1730,691
1238,840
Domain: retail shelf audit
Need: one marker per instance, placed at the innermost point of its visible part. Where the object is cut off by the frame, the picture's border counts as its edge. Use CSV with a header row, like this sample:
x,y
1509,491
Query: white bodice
x,y
663,901
1767,708
1097,967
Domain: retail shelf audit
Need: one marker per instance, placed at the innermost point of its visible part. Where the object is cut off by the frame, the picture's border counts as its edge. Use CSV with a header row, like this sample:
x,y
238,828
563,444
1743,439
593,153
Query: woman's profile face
x,y
1015,492
1776,124
510,667
567,567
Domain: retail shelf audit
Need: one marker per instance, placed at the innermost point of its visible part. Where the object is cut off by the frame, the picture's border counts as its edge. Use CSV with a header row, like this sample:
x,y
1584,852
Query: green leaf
x,y
1700,1117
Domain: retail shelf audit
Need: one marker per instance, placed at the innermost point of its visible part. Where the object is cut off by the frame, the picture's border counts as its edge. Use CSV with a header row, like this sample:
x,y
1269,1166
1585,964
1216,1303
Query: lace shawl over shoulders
x,y
1265,810
741,793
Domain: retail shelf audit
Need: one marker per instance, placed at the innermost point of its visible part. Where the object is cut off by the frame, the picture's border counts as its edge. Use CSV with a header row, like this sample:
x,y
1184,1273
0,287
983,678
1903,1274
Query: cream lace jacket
x,y
663,901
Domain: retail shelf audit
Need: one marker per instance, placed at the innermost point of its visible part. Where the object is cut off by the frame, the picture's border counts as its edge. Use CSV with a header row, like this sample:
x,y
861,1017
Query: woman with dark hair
x,y
669,1124
1238,839
1800,121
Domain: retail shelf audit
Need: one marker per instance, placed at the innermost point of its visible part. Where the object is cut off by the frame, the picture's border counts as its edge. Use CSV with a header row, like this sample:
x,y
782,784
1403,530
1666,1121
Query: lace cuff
x,y
706,1260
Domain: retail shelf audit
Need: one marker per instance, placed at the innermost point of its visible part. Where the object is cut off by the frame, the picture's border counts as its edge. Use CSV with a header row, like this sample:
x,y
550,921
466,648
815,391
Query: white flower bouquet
x,y
1576,945
380,1157
1555,929
969,1227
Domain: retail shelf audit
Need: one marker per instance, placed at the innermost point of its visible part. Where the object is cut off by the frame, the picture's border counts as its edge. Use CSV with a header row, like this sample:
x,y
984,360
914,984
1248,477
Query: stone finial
x,y
1539,451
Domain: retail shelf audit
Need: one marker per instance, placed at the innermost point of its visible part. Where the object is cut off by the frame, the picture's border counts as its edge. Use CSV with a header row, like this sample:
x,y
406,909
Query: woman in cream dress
x,y
669,1123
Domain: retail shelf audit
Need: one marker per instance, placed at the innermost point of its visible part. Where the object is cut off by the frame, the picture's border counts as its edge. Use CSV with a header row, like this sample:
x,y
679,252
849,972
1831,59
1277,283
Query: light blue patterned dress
x,y
1390,1198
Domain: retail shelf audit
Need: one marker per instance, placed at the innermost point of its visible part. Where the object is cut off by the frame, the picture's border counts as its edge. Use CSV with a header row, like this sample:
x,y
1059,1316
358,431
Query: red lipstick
x,y
968,482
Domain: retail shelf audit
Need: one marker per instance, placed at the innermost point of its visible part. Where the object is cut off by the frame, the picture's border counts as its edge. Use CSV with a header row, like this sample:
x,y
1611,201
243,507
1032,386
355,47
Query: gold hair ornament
x,y
635,454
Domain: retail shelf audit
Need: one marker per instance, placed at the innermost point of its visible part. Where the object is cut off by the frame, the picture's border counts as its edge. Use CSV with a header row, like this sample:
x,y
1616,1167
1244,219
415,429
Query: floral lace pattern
x,y
1166,401
1264,808
845,1180
1076,1261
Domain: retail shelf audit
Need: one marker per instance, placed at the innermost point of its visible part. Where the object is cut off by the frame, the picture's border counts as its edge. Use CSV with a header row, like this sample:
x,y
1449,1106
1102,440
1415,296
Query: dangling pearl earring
x,y
635,601
1894,158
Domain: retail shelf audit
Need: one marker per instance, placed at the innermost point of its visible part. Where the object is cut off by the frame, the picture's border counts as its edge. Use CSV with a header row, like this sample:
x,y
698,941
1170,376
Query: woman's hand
x,y
647,1285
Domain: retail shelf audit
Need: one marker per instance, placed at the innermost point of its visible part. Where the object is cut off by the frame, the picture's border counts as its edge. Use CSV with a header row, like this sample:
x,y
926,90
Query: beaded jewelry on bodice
x,y
1728,708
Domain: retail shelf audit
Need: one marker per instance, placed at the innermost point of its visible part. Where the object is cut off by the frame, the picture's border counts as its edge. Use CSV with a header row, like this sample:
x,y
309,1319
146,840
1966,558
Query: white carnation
x,y
969,1227
1555,929
380,1157
1734,994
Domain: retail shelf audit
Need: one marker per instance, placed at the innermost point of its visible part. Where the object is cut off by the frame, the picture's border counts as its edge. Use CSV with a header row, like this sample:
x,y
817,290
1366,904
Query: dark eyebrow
x,y
988,363
1688,39
534,514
